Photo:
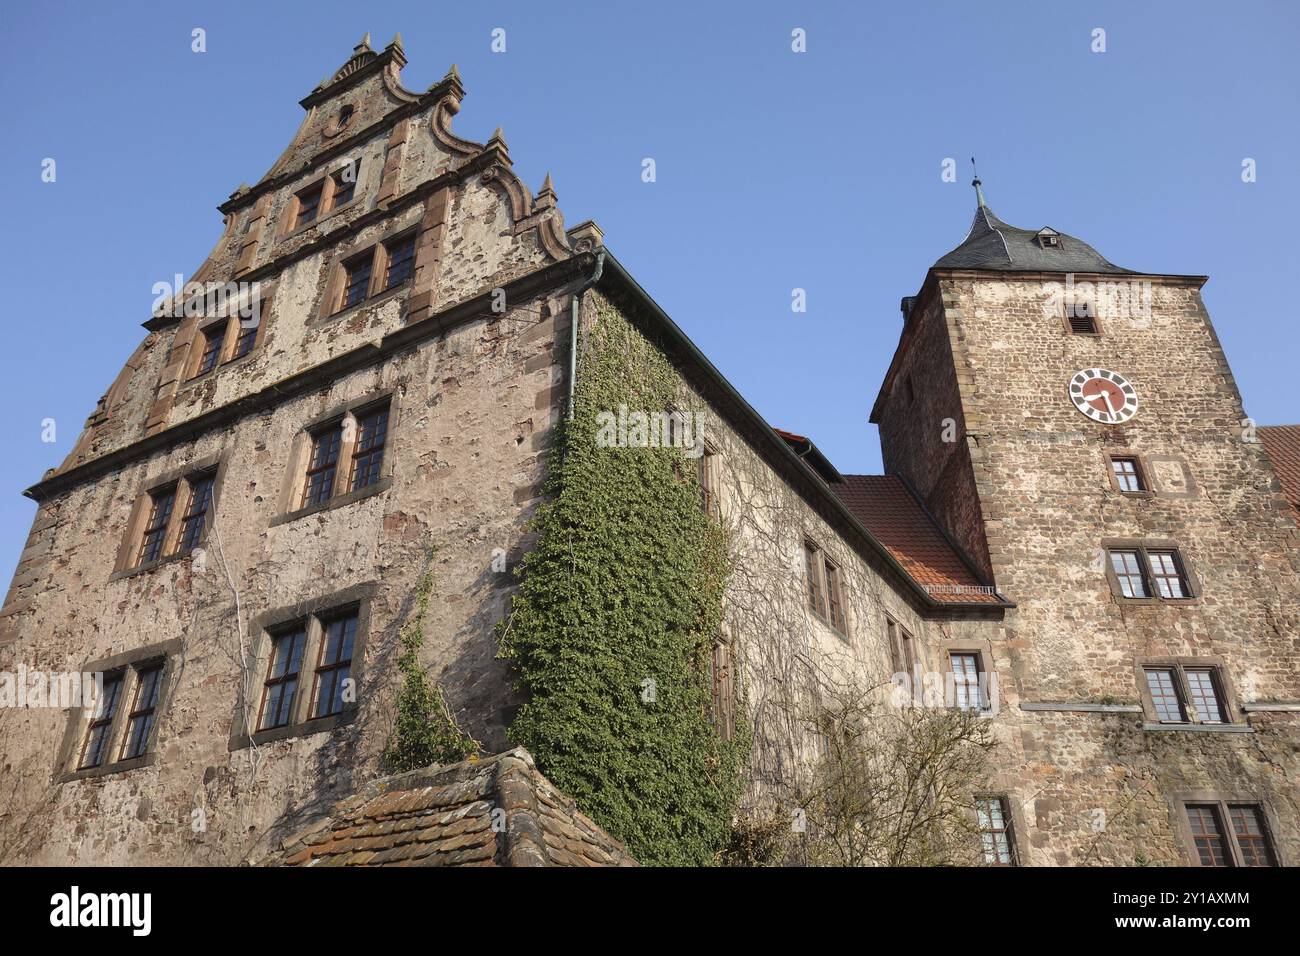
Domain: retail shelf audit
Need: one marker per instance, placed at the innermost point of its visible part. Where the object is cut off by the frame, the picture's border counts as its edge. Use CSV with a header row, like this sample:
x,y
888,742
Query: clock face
x,y
1103,395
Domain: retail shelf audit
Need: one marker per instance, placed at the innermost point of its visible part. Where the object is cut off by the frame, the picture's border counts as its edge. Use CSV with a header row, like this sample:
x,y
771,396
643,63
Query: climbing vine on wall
x,y
614,622
424,730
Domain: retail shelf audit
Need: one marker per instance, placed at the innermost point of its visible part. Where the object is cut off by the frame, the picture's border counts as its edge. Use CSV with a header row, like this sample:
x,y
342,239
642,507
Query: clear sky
x,y
775,170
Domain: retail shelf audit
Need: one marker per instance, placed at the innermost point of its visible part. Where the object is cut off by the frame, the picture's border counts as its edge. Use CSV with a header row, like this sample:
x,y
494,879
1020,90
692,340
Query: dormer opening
x,y
1049,238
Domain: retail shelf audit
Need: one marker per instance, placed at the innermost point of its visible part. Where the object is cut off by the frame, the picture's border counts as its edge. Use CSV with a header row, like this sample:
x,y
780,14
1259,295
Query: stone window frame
x,y
818,553
230,339
342,494
331,305
313,612
1223,799
983,651
130,664
182,478
906,645
1139,463
325,179
1191,582
1012,817
1179,665
1097,330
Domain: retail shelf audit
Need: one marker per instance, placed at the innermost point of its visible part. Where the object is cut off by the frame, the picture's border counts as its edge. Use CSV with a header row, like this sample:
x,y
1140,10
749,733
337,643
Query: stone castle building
x,y
1076,516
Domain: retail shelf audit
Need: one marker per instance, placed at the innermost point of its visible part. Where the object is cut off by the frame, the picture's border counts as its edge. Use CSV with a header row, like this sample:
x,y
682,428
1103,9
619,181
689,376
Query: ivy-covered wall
x,y
615,619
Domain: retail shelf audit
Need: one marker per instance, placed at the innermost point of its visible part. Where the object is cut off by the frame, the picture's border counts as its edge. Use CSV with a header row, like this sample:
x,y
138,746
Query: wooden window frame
x,y
1140,470
158,524
293,632
334,432
312,616
1143,549
723,687
323,667
105,716
355,451
710,486
318,187
367,259
816,593
1224,803
384,256
149,710
1180,666
902,648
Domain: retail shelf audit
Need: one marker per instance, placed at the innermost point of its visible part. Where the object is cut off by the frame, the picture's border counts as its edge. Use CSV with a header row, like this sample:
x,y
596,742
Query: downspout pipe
x,y
575,305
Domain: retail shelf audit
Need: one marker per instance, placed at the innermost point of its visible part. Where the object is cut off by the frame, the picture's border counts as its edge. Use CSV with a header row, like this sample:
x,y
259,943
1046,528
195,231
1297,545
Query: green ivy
x,y
424,731
614,621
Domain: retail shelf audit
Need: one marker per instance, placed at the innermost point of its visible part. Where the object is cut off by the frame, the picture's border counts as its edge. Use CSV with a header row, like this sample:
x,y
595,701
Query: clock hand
x,y
1109,406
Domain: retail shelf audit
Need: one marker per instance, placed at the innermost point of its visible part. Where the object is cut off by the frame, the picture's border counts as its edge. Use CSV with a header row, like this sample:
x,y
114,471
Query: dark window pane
x,y
401,258
358,281
244,344
212,339
142,712
196,514
282,678
368,455
322,466
308,204
335,665
101,722
345,185
155,531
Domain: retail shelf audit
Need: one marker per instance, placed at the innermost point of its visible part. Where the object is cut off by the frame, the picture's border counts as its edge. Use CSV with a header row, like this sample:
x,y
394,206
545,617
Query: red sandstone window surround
x,y
155,531
322,465
159,530
1127,474
368,456
280,689
97,731
339,458
1148,571
1189,691
388,264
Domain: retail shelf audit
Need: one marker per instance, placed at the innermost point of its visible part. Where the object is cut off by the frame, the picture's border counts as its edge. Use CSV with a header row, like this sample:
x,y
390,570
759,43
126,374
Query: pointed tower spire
x,y
979,190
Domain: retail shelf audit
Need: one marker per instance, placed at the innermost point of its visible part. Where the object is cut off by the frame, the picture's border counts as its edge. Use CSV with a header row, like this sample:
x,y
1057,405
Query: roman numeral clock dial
x,y
1103,395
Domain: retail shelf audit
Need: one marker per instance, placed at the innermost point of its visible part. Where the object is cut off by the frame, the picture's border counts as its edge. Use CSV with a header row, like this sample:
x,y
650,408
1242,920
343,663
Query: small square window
x,y
1128,476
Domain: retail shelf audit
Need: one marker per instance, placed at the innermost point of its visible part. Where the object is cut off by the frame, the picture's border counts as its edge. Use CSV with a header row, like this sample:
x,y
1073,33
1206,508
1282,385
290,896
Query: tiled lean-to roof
x,y
495,811
1282,442
888,509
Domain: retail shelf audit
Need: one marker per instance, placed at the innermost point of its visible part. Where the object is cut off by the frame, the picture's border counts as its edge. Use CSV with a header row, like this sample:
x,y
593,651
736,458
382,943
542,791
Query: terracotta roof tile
x,y
1282,442
443,816
889,510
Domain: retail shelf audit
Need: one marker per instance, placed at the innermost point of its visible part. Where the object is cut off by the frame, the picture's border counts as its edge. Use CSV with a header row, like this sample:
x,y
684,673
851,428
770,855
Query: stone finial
x,y
498,137
396,41
546,196
364,44
586,235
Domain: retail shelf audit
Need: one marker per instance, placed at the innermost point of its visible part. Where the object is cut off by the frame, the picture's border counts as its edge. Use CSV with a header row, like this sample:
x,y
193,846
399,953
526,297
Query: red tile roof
x,y
1282,442
888,509
445,816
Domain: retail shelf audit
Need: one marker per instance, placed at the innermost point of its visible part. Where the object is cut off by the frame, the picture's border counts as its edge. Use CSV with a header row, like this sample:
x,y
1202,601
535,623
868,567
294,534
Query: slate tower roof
x,y
992,244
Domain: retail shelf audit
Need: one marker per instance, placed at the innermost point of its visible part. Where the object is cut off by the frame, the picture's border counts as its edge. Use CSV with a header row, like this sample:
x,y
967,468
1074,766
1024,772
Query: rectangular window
x,y
995,831
335,667
196,513
1207,834
213,337
1128,571
902,654
813,567
1203,694
724,700
368,454
308,205
322,465
1251,834
707,463
245,342
1163,685
1167,574
92,751
155,532
1128,476
401,259
345,185
966,680
280,689
357,283
140,720
835,605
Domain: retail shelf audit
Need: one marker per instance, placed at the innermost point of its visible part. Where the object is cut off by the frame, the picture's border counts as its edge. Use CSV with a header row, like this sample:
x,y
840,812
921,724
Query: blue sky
x,y
775,170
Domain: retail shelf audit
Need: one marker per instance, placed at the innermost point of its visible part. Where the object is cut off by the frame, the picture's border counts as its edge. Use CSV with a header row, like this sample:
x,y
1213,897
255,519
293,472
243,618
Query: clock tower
x,y
1076,428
